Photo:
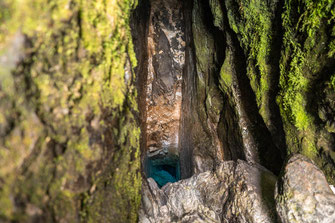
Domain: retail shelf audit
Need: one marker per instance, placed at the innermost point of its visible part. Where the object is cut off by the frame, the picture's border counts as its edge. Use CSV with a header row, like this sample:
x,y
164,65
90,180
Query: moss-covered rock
x,y
305,72
288,61
283,51
69,146
259,85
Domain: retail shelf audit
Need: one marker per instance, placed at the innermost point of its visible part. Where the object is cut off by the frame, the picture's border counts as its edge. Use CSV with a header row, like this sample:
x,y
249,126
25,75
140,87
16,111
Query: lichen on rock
x,y
230,89
74,139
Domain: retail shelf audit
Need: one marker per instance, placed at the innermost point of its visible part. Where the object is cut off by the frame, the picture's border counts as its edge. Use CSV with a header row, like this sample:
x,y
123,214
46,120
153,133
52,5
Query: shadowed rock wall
x,y
166,59
257,87
258,84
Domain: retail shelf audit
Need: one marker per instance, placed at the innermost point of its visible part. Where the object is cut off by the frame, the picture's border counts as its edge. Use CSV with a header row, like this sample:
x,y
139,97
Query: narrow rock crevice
x,y
160,111
257,140
188,102
185,111
139,27
159,81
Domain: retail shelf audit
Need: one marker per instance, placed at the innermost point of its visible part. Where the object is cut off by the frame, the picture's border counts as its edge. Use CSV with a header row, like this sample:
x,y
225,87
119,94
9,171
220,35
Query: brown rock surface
x,y
166,49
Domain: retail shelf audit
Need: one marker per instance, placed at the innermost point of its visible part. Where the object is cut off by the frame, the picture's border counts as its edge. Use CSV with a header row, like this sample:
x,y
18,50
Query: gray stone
x,y
303,194
234,192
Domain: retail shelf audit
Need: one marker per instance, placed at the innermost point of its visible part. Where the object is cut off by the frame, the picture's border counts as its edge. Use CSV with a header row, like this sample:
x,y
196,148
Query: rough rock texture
x,y
303,194
166,59
221,119
259,83
69,141
306,80
235,192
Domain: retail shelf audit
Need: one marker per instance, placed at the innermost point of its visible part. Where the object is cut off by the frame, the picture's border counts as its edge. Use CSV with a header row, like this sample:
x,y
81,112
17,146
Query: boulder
x,y
234,192
303,194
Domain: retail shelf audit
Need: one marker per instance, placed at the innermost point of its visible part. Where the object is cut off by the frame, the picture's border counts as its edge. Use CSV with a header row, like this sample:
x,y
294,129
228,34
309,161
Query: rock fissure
x,y
166,60
210,96
224,132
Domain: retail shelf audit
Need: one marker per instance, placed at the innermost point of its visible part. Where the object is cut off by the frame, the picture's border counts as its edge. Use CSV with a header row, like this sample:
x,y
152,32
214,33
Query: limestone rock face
x,y
166,56
303,194
235,192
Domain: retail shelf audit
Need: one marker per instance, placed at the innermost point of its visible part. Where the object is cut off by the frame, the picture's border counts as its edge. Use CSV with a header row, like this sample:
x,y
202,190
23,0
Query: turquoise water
x,y
164,170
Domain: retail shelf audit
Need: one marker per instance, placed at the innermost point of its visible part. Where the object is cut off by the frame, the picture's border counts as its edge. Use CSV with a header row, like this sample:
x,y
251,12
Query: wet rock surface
x,y
242,192
235,192
227,110
166,58
303,194
248,80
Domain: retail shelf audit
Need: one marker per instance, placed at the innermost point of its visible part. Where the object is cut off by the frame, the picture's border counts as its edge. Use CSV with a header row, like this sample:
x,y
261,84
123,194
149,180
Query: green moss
x,y
331,46
123,182
7,8
304,56
217,13
226,72
332,81
6,204
294,80
71,79
252,21
294,84
308,147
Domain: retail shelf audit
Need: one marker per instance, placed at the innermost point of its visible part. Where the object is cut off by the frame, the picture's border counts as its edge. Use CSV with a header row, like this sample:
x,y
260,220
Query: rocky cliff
x,y
97,97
